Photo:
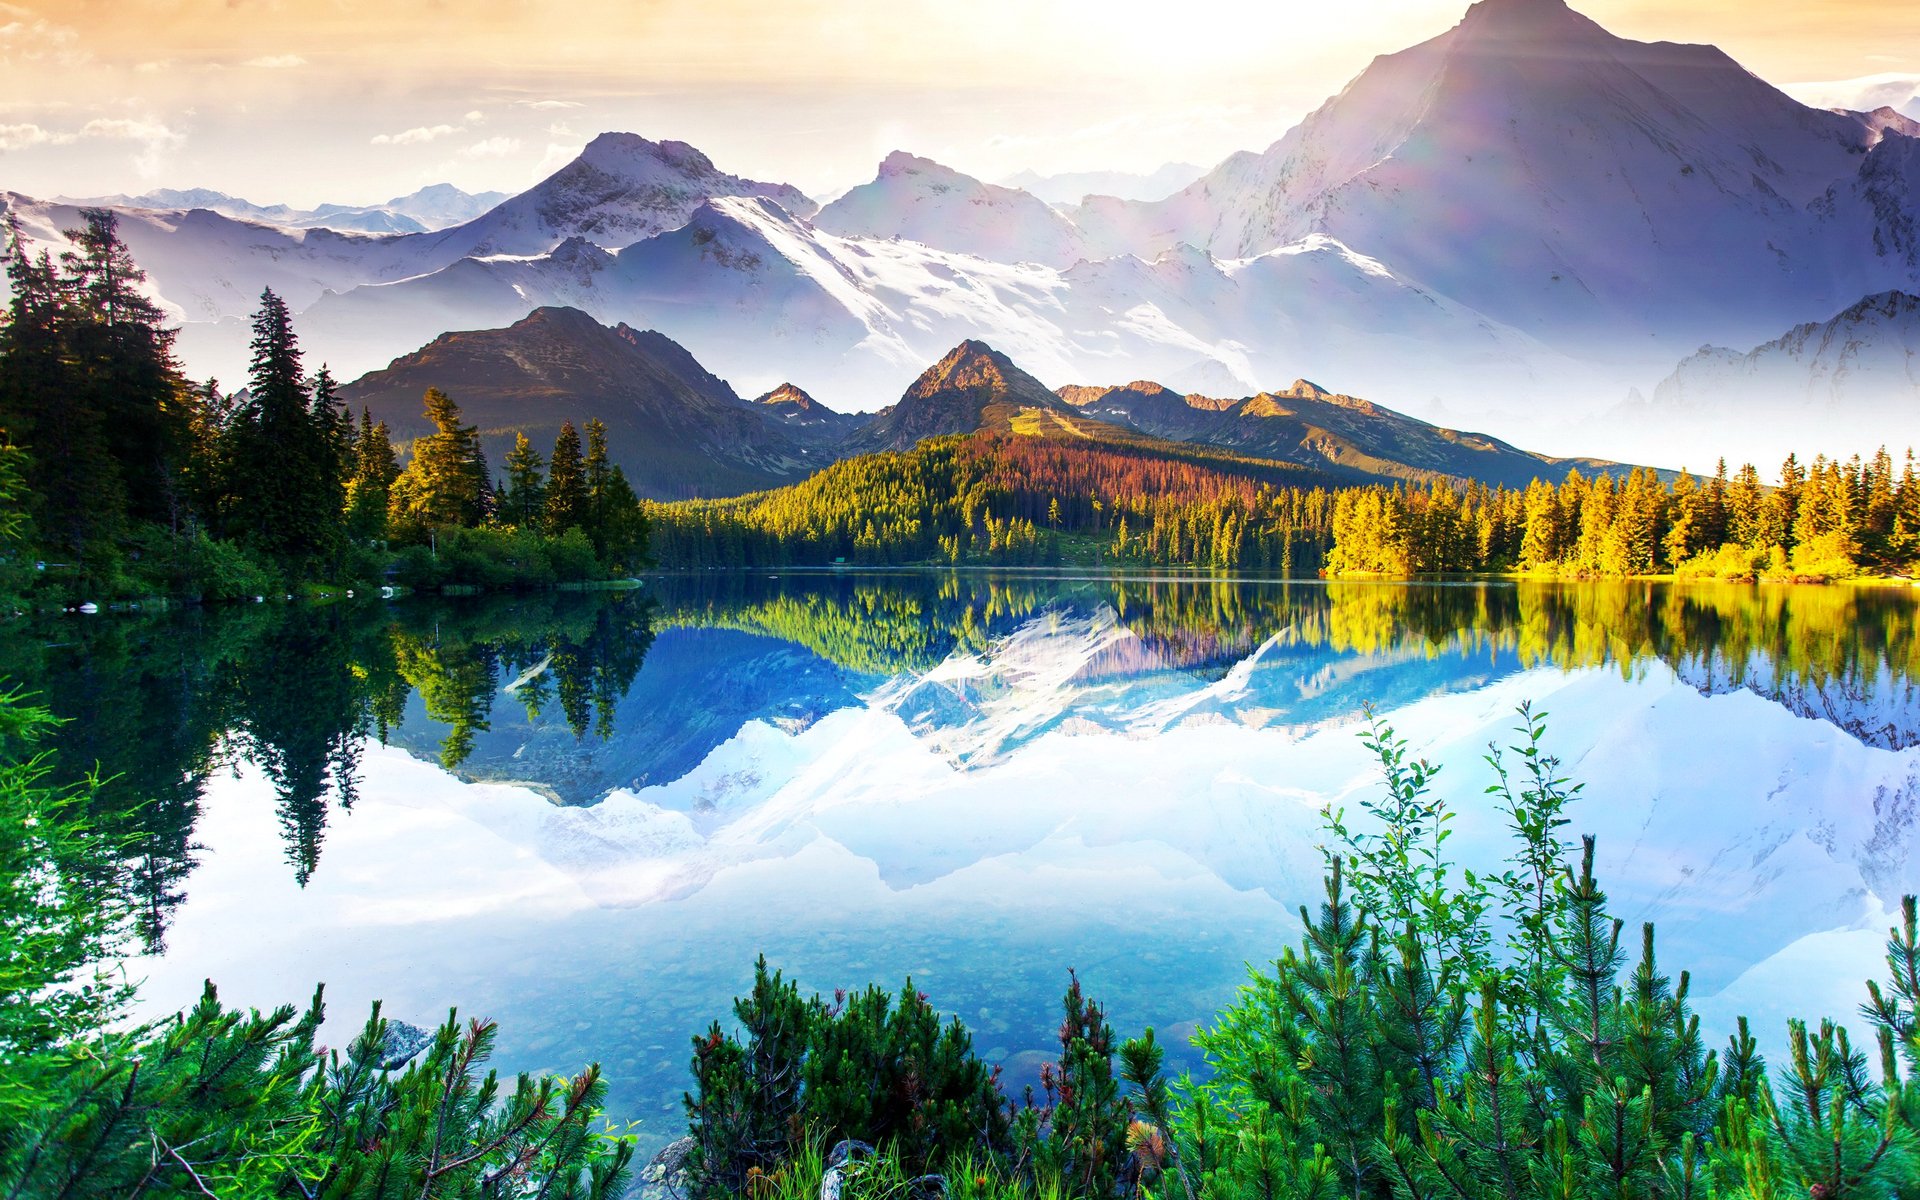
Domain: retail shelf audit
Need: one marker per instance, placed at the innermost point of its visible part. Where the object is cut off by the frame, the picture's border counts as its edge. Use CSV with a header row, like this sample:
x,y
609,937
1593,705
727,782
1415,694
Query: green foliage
x,y
63,911
1076,1138
1394,1054
219,1102
1003,499
1820,524
872,1067
490,557
445,484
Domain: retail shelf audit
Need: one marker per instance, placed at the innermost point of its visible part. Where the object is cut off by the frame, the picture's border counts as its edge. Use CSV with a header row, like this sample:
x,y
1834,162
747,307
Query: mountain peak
x,y
612,149
1527,21
980,371
900,162
972,387
789,395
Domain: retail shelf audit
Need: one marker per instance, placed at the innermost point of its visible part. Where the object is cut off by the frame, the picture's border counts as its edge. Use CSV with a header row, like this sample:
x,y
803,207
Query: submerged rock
x,y
665,1175
401,1043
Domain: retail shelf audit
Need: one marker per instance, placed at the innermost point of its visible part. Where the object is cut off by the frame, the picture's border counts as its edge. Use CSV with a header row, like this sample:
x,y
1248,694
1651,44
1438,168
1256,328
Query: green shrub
x,y
218,1102
872,1067
1394,1053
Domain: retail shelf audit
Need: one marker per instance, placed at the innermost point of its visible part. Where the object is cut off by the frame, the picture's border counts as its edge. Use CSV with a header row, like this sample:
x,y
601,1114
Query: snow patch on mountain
x,y
920,200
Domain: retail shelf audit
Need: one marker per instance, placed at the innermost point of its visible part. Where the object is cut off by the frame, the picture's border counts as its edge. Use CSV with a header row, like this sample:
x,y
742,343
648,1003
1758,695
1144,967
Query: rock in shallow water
x,y
401,1043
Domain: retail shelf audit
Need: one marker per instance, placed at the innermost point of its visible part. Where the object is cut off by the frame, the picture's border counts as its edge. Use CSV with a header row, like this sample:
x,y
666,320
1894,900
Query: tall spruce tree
x,y
566,484
525,502
614,523
284,489
76,495
124,370
370,487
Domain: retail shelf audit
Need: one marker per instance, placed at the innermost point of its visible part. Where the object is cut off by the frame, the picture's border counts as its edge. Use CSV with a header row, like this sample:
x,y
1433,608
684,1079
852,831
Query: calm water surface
x,y
585,814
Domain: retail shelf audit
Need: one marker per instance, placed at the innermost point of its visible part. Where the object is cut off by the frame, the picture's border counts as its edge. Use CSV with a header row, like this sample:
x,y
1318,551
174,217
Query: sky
x,y
354,101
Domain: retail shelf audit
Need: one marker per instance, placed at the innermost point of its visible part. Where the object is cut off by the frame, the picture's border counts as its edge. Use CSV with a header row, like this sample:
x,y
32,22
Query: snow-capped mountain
x,y
922,201
764,296
1851,382
620,189
1598,193
1512,224
1071,187
1898,90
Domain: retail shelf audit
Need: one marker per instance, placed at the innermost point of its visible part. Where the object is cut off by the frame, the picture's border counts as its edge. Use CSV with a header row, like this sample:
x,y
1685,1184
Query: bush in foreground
x,y
220,1102
1440,1033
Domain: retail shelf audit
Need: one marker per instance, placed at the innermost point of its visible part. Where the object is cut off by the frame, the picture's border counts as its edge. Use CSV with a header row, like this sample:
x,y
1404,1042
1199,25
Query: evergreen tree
x,y
615,523
370,487
283,490
567,506
76,496
446,482
525,503
125,370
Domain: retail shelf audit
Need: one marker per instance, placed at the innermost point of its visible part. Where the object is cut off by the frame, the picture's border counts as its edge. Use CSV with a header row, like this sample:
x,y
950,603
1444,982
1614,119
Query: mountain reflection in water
x,y
585,813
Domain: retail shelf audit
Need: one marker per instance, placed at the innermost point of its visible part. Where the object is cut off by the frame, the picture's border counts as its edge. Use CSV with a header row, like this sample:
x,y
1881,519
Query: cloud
x,y
276,62
419,135
557,156
19,137
543,105
155,138
26,38
476,117
493,147
132,130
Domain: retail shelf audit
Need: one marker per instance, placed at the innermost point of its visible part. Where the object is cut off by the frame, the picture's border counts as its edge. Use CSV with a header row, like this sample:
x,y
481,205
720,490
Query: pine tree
x,y
525,502
445,484
615,523
370,487
126,373
566,484
284,492
46,408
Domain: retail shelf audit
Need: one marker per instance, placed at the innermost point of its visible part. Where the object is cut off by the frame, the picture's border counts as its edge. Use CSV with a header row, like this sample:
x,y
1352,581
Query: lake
x,y
585,814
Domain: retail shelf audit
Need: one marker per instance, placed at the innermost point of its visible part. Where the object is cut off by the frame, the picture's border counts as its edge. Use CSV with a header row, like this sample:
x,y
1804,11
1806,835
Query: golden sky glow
x,y
304,101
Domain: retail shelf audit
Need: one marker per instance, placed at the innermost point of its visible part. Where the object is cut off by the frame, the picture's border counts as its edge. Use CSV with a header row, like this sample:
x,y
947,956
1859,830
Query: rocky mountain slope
x,y
807,419
974,387
1310,426
674,428
679,430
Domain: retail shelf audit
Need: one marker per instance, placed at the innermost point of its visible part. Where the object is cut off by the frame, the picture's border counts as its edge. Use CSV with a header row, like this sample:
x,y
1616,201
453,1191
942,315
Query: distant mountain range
x,y
436,206
1071,187
1513,223
1813,371
679,431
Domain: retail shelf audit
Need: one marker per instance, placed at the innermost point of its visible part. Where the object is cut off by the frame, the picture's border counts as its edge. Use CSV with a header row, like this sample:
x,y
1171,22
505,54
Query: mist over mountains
x,y
1521,223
